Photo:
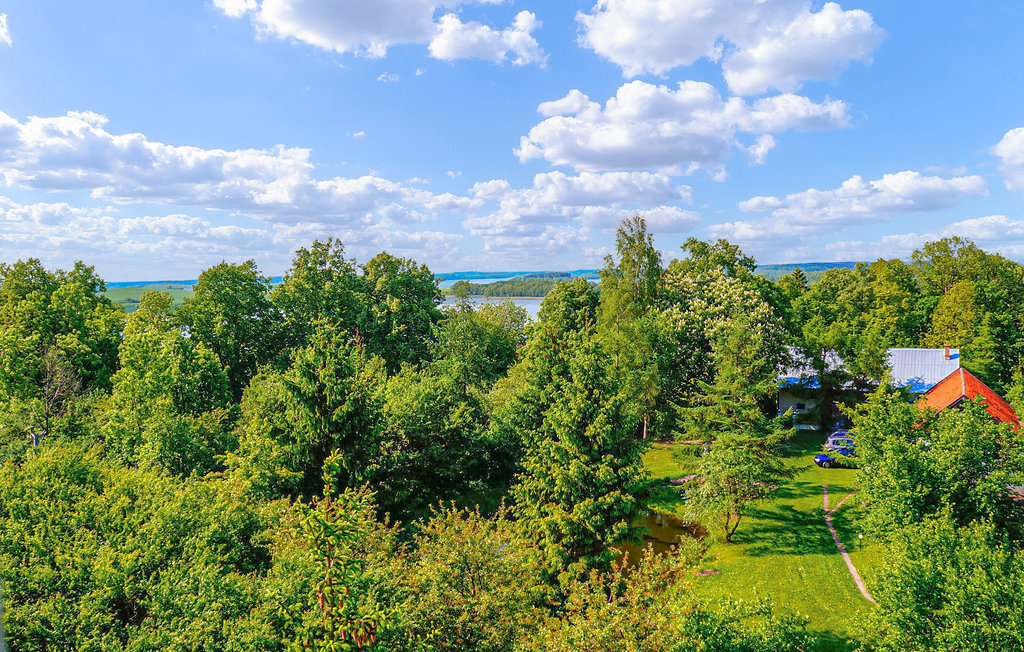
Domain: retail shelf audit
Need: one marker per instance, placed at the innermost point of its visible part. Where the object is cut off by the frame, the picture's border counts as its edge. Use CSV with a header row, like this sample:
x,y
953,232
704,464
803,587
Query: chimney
x,y
947,352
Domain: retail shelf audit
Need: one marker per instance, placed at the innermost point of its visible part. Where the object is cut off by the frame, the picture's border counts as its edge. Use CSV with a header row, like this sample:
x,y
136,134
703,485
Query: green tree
x,y
336,527
630,285
403,297
321,285
955,320
943,263
474,583
914,465
333,406
945,587
569,307
651,609
435,434
328,400
58,340
636,337
744,462
96,556
745,383
582,472
477,346
1015,392
170,397
698,307
231,313
896,295
721,255
792,286
520,400
732,475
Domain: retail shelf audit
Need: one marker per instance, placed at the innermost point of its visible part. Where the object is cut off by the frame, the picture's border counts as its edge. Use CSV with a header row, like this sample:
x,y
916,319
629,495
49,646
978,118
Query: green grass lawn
x,y
128,297
783,549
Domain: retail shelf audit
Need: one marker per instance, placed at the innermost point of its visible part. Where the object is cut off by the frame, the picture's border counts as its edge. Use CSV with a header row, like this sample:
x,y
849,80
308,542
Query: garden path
x,y
842,549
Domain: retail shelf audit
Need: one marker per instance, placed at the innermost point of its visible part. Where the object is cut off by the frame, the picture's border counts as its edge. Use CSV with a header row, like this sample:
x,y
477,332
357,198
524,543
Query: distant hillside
x,y
469,276
519,284
812,271
527,285
127,294
189,283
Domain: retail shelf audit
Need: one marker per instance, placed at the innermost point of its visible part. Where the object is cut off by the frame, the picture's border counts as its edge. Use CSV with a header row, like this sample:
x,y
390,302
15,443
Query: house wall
x,y
803,408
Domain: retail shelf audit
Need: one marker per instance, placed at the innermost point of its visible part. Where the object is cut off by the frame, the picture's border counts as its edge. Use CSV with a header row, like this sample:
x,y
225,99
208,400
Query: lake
x,y
532,305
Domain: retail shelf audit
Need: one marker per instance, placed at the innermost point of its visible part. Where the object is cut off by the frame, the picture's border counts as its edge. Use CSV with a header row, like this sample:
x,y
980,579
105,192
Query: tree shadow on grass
x,y
785,530
794,490
831,642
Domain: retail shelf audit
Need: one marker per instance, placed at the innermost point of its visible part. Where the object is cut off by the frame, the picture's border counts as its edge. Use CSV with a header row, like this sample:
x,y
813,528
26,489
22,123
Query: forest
x,y
335,462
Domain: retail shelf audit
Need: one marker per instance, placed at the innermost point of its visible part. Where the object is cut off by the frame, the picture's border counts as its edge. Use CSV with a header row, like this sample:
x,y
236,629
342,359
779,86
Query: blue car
x,y
838,450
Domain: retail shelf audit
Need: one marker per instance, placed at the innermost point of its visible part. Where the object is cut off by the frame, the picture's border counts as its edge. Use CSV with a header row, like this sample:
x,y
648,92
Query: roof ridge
x,y
943,396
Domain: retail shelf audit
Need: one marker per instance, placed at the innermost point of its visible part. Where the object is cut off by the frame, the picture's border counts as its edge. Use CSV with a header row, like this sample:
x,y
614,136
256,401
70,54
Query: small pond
x,y
663,532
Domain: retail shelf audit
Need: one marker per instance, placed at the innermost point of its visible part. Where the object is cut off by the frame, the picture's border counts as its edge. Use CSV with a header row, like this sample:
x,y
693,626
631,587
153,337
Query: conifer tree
x,y
582,472
744,461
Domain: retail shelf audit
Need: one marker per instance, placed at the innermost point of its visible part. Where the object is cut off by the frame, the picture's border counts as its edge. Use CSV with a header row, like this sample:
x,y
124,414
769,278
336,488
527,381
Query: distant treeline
x,y
812,271
471,276
536,286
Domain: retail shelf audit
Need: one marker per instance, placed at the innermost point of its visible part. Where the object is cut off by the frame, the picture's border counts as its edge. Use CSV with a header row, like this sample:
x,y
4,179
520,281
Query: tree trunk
x,y
728,518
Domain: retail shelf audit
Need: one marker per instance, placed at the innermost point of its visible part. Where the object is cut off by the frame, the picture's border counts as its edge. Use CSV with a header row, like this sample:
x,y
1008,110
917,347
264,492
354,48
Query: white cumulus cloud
x,y
814,46
5,33
997,233
647,126
1010,151
180,245
236,8
857,201
558,213
77,152
370,28
762,44
862,201
458,40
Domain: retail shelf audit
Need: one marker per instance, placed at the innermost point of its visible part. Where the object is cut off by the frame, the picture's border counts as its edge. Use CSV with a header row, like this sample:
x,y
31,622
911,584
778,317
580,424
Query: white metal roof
x,y
921,369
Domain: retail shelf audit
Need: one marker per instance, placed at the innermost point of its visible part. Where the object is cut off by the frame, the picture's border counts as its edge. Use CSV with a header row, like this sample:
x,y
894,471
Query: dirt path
x,y
842,549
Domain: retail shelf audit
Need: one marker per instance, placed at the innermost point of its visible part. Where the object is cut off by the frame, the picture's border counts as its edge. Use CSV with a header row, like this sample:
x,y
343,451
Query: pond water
x,y
663,533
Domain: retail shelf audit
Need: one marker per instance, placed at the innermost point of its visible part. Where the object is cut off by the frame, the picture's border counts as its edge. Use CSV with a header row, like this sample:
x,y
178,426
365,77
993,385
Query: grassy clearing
x,y
783,549
128,297
667,461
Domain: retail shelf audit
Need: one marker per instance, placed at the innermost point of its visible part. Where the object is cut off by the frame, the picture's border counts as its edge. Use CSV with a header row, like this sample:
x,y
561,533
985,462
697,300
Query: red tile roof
x,y
961,385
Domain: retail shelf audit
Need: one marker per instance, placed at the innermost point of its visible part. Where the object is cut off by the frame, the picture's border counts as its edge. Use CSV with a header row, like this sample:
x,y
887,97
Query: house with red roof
x,y
960,386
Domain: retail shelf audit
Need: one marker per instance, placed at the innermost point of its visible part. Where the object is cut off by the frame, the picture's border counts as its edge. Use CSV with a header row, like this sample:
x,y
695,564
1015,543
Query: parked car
x,y
839,448
839,440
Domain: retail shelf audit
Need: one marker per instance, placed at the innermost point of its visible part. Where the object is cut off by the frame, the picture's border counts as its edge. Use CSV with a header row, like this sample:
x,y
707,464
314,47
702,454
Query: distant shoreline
x,y
490,296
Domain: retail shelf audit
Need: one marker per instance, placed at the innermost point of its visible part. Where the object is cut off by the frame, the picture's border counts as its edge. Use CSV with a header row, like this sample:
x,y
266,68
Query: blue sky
x,y
156,139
